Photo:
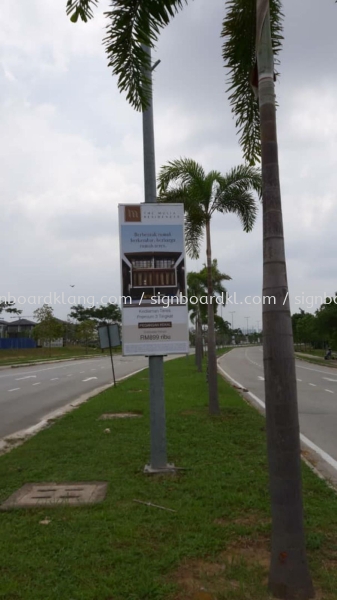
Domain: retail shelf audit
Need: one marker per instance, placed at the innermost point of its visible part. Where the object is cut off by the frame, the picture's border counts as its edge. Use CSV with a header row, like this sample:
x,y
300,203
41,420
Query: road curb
x,y
19,437
319,461
49,362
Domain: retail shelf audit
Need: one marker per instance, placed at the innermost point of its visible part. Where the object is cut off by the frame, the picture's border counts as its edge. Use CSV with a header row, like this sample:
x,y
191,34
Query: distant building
x,y
3,328
20,328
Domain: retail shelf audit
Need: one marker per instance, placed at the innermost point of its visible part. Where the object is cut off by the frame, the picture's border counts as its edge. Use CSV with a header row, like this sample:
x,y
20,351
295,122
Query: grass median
x,y
215,544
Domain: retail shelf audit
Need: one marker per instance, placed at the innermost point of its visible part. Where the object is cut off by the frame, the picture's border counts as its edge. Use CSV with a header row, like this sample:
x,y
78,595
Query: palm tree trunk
x,y
213,400
289,576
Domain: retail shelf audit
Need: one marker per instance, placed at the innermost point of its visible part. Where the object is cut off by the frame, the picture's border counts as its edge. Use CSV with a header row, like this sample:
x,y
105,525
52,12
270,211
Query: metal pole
x,y
112,362
232,313
158,459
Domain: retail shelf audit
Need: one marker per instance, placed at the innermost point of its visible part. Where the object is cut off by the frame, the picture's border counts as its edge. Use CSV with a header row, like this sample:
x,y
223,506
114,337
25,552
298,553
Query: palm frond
x,y
194,233
240,203
81,8
239,179
176,195
183,171
239,54
133,23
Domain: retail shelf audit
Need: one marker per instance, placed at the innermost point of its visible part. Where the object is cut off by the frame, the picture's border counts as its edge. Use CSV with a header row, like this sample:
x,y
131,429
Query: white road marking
x,y
313,384
93,369
252,361
300,380
328,379
54,379
330,391
331,461
89,378
259,377
82,372
63,366
27,377
70,375
14,389
315,370
39,383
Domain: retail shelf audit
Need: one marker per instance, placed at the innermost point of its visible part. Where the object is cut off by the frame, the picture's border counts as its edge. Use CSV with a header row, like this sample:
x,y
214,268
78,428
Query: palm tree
x,y
251,68
184,180
253,33
196,289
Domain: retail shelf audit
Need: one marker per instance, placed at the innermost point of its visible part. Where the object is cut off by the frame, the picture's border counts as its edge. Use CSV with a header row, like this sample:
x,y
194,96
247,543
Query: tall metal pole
x,y
232,313
156,366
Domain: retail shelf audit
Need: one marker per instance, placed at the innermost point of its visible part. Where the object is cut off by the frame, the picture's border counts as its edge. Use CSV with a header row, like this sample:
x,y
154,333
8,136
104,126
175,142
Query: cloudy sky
x,y
71,150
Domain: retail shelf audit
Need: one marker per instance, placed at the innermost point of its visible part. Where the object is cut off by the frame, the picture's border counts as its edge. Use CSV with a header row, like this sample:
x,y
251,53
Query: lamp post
x,y
158,460
232,312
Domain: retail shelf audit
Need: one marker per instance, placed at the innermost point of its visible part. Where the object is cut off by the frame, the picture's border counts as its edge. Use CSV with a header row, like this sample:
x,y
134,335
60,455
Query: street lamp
x,y
232,313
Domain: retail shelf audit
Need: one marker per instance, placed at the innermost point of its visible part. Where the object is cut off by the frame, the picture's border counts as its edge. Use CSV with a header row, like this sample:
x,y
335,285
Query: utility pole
x,y
258,326
158,460
247,319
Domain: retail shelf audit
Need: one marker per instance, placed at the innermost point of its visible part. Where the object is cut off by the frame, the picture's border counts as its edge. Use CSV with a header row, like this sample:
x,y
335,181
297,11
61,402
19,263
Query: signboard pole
x,y
156,367
112,362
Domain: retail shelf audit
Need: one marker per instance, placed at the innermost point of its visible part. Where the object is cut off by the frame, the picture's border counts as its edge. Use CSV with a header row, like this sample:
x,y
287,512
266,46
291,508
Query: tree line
x,y
84,331
318,330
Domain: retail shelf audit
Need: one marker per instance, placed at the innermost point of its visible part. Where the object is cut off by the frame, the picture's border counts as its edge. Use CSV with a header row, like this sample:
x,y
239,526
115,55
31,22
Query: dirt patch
x,y
206,580
247,520
200,580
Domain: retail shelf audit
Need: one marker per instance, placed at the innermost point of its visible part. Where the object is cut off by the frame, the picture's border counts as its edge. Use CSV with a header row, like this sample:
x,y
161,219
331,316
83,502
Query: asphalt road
x,y
28,394
317,397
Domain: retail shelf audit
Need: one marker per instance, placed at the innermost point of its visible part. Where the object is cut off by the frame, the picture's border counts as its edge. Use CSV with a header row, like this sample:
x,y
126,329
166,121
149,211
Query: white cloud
x,y
71,147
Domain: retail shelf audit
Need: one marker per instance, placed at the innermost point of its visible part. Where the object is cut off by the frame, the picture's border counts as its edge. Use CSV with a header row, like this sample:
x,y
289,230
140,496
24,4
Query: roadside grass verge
x,y
317,361
31,355
215,546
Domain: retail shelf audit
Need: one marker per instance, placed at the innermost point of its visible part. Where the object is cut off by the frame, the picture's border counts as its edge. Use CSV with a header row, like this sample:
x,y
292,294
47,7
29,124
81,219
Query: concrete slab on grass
x,y
55,494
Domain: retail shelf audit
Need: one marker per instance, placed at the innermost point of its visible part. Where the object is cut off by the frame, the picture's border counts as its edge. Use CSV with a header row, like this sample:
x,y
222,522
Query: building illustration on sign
x,y
153,266
146,275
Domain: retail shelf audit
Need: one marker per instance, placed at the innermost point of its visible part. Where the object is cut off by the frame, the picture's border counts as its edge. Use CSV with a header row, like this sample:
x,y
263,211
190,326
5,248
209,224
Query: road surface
x,y
317,398
27,394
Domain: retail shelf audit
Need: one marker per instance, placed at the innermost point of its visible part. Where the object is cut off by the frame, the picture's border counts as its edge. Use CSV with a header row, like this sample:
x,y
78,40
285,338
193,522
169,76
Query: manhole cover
x,y
55,494
119,416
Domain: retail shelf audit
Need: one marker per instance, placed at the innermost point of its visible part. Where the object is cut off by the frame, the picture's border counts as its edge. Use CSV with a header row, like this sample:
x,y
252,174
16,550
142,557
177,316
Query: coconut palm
x,y
252,32
203,194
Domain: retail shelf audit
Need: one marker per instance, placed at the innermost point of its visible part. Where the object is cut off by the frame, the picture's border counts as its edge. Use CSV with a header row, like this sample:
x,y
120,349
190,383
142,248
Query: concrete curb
x,y
321,463
19,437
49,362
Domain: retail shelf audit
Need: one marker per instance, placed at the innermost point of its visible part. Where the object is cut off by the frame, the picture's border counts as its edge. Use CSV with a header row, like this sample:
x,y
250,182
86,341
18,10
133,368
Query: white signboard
x,y
154,306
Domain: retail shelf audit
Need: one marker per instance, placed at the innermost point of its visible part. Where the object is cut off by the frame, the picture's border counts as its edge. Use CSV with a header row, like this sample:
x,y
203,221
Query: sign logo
x,y
132,214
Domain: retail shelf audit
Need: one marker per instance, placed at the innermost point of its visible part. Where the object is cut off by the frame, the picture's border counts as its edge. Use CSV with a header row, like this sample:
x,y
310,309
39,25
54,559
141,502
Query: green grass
x,y
120,550
308,350
31,355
